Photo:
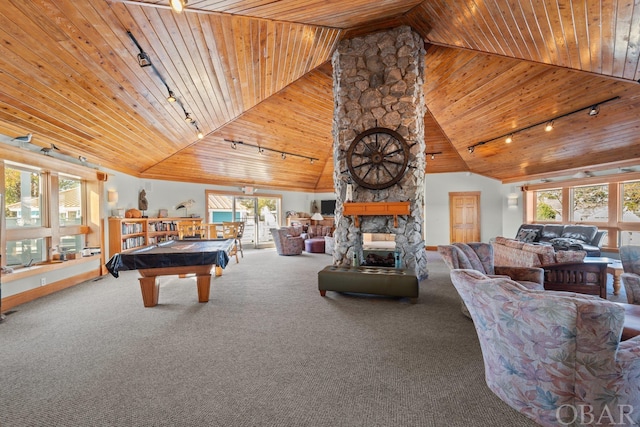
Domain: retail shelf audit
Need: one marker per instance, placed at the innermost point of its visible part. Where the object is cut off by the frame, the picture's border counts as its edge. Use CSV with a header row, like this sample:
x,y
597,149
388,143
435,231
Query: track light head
x,y
549,126
234,146
470,148
283,155
509,139
178,5
594,110
188,118
143,59
171,97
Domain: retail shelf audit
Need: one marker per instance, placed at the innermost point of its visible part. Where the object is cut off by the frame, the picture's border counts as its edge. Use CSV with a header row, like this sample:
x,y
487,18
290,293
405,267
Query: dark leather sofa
x,y
564,237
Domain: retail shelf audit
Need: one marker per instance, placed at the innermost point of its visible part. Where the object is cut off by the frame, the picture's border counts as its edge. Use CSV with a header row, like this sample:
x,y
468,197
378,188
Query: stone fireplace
x,y
378,82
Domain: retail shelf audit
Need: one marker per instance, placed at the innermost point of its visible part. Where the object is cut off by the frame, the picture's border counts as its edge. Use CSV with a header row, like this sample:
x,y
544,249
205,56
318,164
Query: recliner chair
x,y
479,256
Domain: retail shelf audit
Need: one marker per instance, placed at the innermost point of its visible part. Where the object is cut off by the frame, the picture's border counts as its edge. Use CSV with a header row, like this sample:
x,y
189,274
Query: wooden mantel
x,y
394,209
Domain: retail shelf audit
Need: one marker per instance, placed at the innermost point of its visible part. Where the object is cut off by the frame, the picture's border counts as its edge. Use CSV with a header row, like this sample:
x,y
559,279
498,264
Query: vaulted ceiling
x,y
259,71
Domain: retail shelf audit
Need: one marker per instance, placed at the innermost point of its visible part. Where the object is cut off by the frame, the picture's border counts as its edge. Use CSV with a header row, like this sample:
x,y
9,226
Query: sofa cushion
x,y
546,253
585,233
516,244
551,231
527,235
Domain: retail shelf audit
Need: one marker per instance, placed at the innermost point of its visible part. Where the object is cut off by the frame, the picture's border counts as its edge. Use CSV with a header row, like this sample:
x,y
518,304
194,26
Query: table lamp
x,y
316,217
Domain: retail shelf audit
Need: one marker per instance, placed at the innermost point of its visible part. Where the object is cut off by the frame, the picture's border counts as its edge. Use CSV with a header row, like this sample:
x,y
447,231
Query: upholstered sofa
x,y
554,356
564,237
514,252
288,240
563,270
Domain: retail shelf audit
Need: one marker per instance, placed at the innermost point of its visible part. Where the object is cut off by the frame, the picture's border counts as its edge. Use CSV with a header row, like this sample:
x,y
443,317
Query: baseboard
x,y
15,300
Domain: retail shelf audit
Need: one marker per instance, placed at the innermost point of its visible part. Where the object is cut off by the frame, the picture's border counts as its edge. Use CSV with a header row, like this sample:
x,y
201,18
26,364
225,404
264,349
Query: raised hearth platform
x,y
386,281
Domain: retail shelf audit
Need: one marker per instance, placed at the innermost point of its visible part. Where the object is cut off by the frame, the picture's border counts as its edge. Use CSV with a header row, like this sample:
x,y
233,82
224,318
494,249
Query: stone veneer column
x,y
378,82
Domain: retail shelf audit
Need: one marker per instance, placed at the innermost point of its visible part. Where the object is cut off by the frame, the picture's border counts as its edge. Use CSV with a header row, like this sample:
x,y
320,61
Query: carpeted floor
x,y
266,350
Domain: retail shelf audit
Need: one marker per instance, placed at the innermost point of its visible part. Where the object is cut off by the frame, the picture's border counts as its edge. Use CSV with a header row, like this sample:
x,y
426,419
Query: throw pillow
x,y
527,235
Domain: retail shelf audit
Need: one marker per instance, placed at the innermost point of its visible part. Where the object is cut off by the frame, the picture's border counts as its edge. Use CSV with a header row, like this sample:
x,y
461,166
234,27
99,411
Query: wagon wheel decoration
x,y
378,158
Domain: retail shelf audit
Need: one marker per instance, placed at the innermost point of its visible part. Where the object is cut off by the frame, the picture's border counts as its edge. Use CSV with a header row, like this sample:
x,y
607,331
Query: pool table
x,y
175,257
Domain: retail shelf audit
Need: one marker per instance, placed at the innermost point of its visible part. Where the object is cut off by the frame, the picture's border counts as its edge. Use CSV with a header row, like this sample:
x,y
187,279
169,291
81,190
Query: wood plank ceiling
x,y
260,72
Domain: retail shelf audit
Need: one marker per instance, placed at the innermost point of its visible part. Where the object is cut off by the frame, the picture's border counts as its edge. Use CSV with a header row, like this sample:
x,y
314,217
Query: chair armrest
x,y
631,283
525,274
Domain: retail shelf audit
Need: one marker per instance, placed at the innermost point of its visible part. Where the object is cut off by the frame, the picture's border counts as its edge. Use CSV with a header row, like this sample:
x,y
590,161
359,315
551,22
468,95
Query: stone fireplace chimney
x,y
378,83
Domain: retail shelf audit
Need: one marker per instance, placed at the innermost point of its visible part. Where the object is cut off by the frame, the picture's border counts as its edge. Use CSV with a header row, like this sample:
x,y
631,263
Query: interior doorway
x,y
464,214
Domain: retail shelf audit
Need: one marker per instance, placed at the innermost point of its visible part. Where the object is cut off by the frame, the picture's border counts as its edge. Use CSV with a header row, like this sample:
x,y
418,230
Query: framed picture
x,y
163,213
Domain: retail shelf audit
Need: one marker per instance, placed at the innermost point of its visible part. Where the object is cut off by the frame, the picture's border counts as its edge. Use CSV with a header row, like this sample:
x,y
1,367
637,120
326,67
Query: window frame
x,y
614,225
50,229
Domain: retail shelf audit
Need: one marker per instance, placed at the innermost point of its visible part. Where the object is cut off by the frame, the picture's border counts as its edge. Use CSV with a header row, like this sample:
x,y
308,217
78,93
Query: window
x,y
630,202
69,200
39,226
613,206
23,188
25,252
549,205
591,203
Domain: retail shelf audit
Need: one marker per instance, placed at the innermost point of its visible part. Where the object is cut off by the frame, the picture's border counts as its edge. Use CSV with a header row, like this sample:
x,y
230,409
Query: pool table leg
x,y
150,288
204,286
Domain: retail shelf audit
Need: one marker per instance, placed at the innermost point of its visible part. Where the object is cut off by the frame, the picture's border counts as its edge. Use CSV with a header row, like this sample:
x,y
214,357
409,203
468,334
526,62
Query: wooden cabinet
x,y
328,221
130,233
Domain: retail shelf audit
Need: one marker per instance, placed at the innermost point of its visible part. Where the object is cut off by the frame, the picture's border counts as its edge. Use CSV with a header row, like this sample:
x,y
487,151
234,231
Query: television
x,y
327,207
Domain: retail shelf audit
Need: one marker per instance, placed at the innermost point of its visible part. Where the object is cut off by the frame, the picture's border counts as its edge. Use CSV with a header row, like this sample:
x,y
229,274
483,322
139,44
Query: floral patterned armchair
x,y
288,240
630,257
554,356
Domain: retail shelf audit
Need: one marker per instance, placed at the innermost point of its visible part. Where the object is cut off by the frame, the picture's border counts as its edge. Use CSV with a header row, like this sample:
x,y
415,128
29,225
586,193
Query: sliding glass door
x,y
259,214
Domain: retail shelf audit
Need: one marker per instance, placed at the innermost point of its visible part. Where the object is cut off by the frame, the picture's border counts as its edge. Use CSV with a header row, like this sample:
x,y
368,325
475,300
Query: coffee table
x,y
614,267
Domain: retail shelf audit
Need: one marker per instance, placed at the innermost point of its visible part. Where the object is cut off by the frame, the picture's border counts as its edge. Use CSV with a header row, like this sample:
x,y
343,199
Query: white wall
x,y
497,219
168,194
493,205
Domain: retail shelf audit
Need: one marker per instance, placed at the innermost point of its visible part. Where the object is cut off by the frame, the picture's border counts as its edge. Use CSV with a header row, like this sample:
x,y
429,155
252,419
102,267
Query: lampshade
x,y
317,217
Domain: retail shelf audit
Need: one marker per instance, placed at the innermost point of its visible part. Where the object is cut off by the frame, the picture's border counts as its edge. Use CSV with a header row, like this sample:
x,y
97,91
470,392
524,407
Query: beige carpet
x,y
266,350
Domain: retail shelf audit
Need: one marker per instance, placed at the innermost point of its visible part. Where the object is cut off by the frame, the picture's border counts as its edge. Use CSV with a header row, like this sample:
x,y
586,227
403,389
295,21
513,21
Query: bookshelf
x,y
130,233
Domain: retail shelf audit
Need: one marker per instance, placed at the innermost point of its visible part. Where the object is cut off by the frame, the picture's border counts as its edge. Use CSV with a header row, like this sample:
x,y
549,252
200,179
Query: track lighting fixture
x,y
433,155
143,59
200,134
178,5
262,150
83,159
549,124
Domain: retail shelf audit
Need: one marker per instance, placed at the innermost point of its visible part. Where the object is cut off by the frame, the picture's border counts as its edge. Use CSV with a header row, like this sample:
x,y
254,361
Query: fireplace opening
x,y
379,249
